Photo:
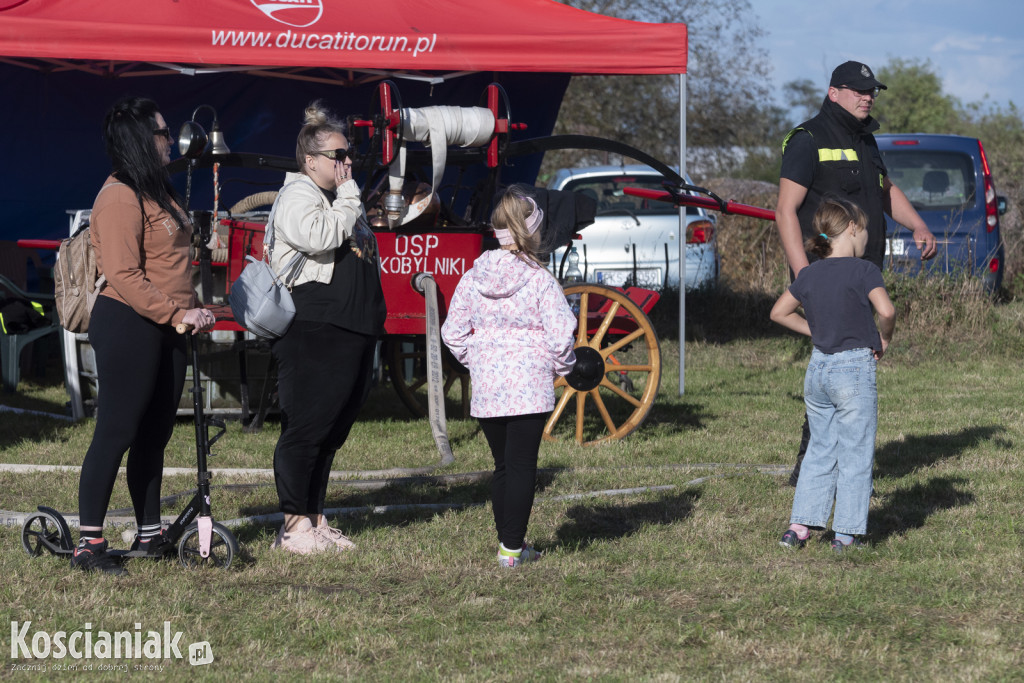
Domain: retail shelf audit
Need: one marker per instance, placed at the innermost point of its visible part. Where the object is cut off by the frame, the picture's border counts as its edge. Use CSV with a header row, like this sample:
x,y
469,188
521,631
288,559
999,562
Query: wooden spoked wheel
x,y
617,374
406,357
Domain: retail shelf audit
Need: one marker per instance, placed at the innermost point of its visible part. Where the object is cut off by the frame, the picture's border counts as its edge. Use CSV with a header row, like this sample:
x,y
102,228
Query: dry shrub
x,y
1011,226
933,313
937,312
752,257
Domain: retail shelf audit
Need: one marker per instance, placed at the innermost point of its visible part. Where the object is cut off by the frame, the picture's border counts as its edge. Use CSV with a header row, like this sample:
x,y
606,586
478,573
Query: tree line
x,y
735,124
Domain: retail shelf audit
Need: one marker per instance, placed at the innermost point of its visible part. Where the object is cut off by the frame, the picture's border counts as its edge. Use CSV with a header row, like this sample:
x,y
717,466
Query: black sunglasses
x,y
863,93
165,132
336,154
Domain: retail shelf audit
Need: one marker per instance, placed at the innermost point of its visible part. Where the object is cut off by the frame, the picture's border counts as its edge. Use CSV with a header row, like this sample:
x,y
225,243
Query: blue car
x,y
947,179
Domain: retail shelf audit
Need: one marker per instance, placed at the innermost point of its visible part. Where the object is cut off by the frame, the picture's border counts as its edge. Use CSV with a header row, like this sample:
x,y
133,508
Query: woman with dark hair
x,y
325,359
140,235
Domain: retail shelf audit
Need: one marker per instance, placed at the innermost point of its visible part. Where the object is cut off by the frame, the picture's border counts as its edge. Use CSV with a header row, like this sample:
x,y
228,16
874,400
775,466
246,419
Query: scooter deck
x,y
170,551
159,554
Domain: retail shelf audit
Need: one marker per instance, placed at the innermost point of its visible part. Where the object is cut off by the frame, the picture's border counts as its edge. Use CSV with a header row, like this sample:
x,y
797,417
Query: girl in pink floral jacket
x,y
509,323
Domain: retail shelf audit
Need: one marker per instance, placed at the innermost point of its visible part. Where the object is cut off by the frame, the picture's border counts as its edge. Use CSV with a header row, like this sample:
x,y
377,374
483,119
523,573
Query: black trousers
x,y
323,379
514,442
141,370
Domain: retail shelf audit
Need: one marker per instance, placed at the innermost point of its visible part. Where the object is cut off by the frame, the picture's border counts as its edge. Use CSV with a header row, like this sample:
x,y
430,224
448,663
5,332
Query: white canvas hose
x,y
424,282
437,127
118,518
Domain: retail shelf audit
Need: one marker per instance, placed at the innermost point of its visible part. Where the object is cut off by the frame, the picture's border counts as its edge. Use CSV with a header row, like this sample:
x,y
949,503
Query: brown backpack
x,y
75,283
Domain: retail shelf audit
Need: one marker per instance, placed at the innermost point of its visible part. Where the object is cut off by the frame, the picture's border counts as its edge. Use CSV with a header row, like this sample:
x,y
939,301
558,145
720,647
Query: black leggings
x,y
141,370
514,442
323,379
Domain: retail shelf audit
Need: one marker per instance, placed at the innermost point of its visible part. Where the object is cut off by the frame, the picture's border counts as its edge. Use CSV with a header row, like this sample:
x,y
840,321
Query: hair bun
x,y
316,115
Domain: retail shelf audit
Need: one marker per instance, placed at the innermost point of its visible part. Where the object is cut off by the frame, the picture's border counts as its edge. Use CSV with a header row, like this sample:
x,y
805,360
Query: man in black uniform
x,y
835,153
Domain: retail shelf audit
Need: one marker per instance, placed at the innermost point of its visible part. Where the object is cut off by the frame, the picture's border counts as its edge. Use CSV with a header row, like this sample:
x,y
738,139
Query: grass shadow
x,y
671,417
430,493
910,454
718,315
473,488
589,523
910,507
16,428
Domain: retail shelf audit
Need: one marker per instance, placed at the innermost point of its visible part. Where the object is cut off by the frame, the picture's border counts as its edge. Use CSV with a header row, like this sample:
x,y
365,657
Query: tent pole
x,y
682,237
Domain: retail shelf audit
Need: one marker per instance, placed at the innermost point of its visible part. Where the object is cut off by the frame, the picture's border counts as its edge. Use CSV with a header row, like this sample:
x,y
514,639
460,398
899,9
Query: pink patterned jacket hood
x,y
509,323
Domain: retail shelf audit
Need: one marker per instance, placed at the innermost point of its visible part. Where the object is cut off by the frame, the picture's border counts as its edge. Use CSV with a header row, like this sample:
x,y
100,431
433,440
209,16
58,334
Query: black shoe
x,y
94,557
839,547
155,546
792,541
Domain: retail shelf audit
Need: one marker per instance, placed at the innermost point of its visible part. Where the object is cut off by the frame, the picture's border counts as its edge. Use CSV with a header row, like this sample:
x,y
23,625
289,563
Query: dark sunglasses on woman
x,y
336,154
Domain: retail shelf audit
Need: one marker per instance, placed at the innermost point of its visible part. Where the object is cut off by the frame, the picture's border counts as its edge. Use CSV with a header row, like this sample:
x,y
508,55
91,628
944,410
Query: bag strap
x,y
105,187
293,268
268,232
101,281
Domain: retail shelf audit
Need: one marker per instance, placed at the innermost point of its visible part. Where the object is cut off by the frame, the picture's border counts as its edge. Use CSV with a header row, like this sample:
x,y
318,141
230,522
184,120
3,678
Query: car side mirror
x,y
1001,204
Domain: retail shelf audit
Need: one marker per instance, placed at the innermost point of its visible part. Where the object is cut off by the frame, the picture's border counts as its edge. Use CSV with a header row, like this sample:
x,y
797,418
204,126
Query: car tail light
x,y
699,232
991,208
993,266
904,142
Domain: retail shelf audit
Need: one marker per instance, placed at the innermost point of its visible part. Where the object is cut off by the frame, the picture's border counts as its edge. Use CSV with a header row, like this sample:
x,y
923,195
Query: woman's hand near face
x,y
342,172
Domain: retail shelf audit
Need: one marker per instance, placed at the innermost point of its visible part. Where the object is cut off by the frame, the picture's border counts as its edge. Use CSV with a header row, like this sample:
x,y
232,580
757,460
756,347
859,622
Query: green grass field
x,y
684,581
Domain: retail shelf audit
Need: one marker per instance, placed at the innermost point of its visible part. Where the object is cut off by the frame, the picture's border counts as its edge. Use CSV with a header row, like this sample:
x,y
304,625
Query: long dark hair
x,y
128,135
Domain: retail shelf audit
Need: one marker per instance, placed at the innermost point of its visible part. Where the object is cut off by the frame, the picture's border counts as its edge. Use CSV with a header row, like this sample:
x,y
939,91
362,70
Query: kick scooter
x,y
194,536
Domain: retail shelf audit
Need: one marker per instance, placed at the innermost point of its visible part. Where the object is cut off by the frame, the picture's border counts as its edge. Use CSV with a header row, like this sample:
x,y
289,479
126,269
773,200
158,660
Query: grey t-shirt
x,y
834,295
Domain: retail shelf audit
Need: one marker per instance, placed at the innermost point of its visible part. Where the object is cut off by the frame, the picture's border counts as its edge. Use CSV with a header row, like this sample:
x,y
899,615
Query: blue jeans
x,y
842,409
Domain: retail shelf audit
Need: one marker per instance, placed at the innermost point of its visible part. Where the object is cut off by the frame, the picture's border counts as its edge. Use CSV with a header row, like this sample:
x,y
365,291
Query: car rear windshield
x,y
611,200
932,180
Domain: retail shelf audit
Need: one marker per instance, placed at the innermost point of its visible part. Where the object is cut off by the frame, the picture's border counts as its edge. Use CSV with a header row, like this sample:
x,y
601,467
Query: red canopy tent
x,y
434,43
285,35
325,41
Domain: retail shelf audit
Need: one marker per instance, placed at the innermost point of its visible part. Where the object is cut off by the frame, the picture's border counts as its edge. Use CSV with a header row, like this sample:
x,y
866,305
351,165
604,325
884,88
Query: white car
x,y
634,241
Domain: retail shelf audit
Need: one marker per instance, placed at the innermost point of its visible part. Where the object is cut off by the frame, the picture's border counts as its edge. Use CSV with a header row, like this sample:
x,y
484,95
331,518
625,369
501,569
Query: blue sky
x,y
976,48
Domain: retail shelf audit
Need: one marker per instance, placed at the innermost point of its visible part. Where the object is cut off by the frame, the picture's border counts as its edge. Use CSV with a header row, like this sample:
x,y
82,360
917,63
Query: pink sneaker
x,y
340,540
302,540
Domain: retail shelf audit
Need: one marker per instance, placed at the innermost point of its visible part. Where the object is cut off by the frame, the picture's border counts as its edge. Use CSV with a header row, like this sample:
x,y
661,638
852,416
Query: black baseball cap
x,y
855,76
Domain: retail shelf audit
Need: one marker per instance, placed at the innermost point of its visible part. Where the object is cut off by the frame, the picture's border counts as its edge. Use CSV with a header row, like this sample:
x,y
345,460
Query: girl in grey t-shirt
x,y
840,294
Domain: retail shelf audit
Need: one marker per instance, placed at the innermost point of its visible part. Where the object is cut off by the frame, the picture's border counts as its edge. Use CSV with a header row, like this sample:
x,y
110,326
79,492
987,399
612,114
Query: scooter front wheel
x,y
223,547
42,531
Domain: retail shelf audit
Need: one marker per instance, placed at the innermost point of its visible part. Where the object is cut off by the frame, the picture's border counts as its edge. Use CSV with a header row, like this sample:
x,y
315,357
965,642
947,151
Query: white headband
x,y
532,223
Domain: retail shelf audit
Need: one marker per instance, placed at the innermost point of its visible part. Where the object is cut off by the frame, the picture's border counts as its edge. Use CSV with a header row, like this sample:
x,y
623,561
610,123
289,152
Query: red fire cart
x,y
422,260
